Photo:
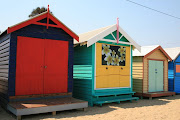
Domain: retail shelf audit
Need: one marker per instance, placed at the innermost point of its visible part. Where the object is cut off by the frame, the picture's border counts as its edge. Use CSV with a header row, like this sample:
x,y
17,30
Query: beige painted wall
x,y
137,74
160,56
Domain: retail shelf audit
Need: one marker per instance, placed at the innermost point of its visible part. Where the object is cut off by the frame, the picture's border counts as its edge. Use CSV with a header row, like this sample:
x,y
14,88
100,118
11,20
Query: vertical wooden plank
x,y
56,66
159,75
54,113
93,63
29,66
19,117
177,77
152,79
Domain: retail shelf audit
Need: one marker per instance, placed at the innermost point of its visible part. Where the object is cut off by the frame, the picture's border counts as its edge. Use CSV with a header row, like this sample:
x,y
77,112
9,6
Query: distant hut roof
x,y
147,50
173,52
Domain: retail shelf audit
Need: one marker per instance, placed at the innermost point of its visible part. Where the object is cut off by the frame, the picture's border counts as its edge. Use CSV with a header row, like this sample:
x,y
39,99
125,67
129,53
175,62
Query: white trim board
x,y
114,37
121,37
120,42
108,31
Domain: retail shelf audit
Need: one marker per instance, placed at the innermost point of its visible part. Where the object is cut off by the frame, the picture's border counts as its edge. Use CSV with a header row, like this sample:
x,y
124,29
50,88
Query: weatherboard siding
x,y
83,73
177,76
177,84
171,76
4,68
137,74
156,55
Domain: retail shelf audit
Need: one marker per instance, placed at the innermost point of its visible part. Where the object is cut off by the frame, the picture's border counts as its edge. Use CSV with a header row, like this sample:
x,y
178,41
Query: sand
x,y
166,108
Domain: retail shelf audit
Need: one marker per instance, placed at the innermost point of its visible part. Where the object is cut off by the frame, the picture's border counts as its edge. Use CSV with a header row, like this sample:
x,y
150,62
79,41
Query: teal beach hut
x,y
103,67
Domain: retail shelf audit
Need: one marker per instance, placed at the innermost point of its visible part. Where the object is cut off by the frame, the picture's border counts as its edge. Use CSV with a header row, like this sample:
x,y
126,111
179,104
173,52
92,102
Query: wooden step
x,y
115,100
111,93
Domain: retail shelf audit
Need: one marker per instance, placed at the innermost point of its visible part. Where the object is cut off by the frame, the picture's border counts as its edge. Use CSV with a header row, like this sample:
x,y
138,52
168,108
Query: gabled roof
x,y
144,50
173,52
86,36
35,19
98,34
148,50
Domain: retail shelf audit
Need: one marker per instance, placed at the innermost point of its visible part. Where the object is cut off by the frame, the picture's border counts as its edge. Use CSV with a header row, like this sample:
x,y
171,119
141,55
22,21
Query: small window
x,y
177,68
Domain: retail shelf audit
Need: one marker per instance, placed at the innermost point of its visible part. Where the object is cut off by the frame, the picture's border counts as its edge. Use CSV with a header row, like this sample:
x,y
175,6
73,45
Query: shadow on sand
x,y
93,110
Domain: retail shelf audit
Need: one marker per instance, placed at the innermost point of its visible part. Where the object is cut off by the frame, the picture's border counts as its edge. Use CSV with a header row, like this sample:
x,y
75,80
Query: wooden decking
x,y
45,105
150,95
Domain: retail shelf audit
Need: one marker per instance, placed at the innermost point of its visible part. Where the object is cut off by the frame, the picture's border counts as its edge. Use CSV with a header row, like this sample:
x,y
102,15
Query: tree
x,y
37,11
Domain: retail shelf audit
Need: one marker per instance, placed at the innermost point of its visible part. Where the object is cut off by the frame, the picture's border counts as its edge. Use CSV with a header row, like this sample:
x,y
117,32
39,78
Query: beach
x,y
166,108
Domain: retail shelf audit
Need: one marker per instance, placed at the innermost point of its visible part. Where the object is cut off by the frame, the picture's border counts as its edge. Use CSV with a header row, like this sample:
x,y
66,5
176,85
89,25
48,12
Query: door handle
x,y
45,67
106,68
121,68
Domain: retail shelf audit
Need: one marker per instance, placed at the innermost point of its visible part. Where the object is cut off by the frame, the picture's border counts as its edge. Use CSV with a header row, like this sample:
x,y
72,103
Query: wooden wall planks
x,y
4,65
137,74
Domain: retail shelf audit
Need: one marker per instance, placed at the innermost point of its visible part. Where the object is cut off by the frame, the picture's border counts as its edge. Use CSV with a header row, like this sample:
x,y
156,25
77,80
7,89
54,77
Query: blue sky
x,y
145,26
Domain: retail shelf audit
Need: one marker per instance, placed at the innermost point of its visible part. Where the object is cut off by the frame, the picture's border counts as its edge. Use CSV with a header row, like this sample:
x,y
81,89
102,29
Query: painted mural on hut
x,y
113,55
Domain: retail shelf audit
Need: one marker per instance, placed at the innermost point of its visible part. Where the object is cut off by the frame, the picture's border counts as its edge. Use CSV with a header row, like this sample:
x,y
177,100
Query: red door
x,y
29,66
56,66
41,66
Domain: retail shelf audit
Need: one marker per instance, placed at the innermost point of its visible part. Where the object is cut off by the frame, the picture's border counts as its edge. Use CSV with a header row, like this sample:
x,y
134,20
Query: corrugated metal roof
x,y
86,36
144,50
173,52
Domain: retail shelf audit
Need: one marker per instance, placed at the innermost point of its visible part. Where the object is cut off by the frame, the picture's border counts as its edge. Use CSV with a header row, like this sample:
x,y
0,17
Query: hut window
x,y
178,68
113,55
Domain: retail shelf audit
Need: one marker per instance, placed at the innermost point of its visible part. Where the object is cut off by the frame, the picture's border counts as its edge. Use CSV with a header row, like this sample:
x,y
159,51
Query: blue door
x,y
156,76
177,78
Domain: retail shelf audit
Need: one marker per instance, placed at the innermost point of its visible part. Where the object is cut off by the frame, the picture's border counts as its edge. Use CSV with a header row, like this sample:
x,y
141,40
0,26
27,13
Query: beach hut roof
x,y
147,50
98,34
36,19
173,52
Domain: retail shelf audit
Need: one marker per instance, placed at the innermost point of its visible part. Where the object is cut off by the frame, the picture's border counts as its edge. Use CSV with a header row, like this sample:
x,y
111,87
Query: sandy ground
x,y
166,108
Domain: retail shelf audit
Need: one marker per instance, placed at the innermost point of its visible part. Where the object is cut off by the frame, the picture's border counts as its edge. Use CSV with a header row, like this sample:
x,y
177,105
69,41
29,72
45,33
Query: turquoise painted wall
x,y
83,73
